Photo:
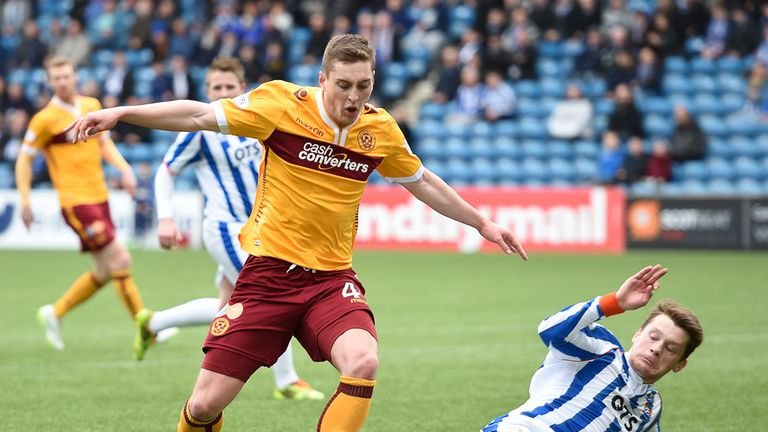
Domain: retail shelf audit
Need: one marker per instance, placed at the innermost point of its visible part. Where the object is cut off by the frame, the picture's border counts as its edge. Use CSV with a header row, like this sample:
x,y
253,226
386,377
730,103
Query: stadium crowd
x,y
497,63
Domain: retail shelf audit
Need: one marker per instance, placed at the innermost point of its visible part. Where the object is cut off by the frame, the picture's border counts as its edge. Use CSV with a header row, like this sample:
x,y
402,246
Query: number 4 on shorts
x,y
350,290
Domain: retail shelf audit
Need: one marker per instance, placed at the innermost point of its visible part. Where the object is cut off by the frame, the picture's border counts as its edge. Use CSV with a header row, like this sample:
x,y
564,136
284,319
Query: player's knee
x,y
363,364
204,409
121,260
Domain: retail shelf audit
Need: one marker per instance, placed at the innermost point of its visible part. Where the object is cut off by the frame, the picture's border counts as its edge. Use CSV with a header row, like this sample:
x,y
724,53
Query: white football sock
x,y
285,374
193,313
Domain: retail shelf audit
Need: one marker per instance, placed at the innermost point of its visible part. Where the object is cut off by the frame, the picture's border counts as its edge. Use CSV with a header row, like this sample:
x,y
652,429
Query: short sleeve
x,y
401,165
184,151
254,114
36,136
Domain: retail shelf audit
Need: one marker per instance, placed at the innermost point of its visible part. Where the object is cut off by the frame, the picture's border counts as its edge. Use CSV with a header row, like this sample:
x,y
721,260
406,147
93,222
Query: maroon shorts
x,y
92,223
274,300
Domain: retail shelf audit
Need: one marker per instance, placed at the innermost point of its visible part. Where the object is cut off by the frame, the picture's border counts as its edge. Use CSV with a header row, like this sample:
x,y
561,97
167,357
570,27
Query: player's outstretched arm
x,y
434,192
178,115
637,291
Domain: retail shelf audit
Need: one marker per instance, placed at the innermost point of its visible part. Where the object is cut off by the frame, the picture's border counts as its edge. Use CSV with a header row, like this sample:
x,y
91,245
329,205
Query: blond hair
x,y
227,64
683,318
348,48
59,61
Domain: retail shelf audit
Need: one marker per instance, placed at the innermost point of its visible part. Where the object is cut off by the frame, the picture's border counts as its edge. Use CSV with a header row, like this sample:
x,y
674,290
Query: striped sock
x,y
348,407
127,291
81,290
187,423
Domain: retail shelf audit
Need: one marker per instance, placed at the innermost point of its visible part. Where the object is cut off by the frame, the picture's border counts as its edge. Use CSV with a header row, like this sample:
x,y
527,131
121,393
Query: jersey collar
x,y
74,109
339,137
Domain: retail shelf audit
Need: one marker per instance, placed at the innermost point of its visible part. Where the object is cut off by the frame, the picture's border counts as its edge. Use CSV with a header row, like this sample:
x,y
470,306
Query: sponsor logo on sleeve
x,y
243,100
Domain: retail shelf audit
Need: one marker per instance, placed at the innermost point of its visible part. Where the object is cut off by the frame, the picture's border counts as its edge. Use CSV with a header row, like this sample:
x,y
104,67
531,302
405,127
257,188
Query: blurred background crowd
x,y
660,96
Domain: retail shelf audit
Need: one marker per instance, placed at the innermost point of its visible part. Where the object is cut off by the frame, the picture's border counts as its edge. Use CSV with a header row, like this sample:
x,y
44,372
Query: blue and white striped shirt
x,y
585,382
226,167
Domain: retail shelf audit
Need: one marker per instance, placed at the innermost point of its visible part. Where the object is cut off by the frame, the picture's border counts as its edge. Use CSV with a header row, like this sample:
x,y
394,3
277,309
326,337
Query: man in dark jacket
x,y
687,142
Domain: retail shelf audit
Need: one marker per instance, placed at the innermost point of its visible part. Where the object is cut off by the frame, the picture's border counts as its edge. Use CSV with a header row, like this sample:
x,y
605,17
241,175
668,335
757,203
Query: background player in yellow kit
x,y
321,145
77,175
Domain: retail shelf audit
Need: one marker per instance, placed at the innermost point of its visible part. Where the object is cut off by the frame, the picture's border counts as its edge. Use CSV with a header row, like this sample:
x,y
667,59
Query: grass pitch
x,y
457,338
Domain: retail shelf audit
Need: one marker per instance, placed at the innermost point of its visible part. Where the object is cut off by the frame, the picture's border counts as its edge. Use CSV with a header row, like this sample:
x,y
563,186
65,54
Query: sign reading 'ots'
x,y
573,220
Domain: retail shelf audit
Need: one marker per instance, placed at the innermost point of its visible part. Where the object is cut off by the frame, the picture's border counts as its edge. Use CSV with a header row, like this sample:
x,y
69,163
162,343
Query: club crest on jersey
x,y
219,326
242,100
366,140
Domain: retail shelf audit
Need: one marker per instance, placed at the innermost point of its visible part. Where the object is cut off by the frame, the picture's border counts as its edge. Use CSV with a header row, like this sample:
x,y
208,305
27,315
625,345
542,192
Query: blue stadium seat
x,y
429,129
533,128
483,171
102,57
747,167
721,187
732,102
586,149
749,186
706,103
433,111
455,148
741,125
6,175
481,148
761,144
560,149
599,124
730,65
506,147
671,189
435,166
743,146
529,107
731,83
704,84
506,128
644,189
561,169
456,130
713,125
594,88
162,137
417,59
552,87
457,171
535,169
508,171
299,35
534,149
431,148
481,129
700,65
694,170
303,74
674,83
676,65
393,88
460,19
720,168
694,187
572,48
549,49
527,89
656,105
656,125
604,107
587,170
680,99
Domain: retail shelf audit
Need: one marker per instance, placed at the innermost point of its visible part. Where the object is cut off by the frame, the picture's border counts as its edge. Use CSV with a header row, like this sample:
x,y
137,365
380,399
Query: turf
x,y
457,338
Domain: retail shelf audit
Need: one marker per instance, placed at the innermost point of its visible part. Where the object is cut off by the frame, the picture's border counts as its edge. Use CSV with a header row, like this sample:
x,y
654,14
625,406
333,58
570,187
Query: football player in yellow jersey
x,y
77,175
320,146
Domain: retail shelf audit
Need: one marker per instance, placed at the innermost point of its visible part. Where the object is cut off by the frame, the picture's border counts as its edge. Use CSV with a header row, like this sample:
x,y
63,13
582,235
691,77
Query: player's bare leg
x,y
204,409
356,355
116,259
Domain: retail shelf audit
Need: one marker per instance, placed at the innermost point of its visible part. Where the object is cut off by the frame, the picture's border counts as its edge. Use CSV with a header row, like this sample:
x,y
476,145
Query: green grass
x,y
457,336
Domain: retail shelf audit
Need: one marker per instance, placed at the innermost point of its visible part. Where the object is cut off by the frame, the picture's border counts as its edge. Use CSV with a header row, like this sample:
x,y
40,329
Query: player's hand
x,y
128,181
637,291
93,123
504,238
27,216
168,234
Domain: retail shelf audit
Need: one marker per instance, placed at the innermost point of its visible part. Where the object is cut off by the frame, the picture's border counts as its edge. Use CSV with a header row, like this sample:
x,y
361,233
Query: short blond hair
x,y
683,318
227,64
58,61
348,48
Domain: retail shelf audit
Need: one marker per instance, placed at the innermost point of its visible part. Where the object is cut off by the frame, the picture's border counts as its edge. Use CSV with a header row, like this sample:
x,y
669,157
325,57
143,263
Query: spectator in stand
x,y
251,63
662,37
649,72
126,132
318,39
694,17
105,24
138,34
273,62
496,23
228,45
12,138
622,71
742,34
471,49
524,59
761,55
618,41
635,163
206,48
386,39
625,119
449,75
498,100
496,58
364,24
566,17
572,117
160,87
250,27
181,42
589,15
75,45
543,18
225,16
16,100
688,141
520,27
280,19
400,16
589,61
469,97
610,159
717,31
616,14
640,24
16,13
180,82
341,25
659,163
31,51
119,80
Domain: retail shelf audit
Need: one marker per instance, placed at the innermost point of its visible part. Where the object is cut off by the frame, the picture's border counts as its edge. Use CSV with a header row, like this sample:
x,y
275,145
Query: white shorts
x,y
221,242
513,422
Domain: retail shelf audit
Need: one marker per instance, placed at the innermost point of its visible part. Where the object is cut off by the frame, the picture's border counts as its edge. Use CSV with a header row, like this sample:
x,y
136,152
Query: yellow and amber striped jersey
x,y
75,169
312,173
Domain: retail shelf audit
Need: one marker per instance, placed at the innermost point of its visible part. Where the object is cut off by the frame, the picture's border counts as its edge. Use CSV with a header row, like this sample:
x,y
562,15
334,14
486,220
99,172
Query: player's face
x,y
63,81
222,85
346,89
658,349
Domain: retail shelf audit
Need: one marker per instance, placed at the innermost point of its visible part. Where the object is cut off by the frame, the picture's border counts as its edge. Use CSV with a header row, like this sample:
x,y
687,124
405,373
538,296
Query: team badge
x,y
366,140
219,326
301,94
